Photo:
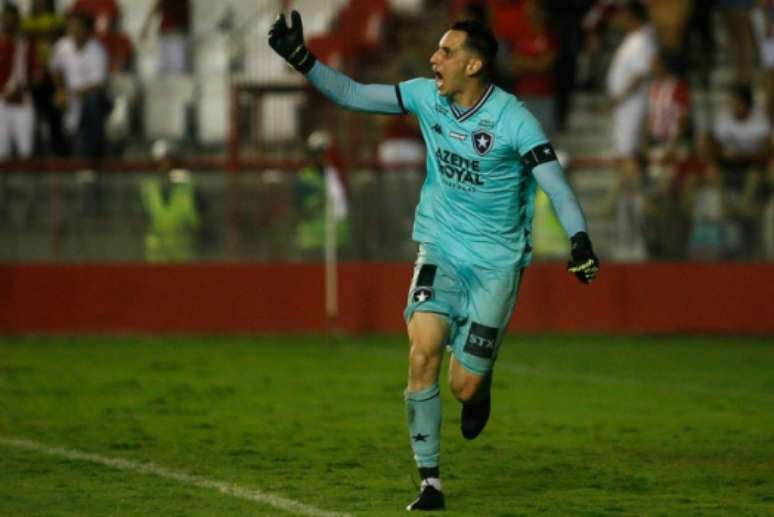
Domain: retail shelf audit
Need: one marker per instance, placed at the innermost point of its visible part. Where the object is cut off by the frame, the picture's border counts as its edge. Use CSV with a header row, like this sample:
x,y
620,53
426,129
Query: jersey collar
x,y
462,116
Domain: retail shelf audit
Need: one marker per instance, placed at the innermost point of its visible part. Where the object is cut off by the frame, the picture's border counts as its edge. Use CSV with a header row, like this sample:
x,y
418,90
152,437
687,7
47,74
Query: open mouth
x,y
438,78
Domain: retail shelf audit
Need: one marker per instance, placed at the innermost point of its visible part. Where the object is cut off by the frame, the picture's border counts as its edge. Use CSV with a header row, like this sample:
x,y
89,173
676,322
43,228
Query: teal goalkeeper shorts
x,y
478,303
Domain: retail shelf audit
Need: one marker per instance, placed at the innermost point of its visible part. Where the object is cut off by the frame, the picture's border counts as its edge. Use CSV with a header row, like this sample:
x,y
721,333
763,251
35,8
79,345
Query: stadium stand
x,y
241,107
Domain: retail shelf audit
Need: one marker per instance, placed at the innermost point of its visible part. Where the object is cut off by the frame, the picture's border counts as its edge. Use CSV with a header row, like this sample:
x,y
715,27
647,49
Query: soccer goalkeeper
x,y
486,153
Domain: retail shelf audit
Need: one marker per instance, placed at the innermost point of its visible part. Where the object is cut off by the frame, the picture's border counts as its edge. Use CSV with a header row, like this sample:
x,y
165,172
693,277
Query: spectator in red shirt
x,y
17,115
174,31
354,35
118,46
669,107
362,23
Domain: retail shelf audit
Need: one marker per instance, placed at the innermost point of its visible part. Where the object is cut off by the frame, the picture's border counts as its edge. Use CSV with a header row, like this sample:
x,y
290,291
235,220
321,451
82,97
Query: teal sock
x,y
423,409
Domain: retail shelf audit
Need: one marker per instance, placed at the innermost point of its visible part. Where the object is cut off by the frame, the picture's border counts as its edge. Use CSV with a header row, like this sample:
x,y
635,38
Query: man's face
x,y
739,108
623,21
452,63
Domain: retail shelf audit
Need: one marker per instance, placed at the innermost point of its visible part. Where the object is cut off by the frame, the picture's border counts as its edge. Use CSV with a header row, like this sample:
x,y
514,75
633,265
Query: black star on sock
x,y
419,437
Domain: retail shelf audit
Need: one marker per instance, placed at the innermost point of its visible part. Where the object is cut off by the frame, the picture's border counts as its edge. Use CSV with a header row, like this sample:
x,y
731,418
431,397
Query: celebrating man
x,y
473,222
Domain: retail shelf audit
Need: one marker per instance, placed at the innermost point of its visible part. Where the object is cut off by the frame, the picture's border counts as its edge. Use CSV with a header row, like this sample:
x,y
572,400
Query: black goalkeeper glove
x,y
583,263
288,42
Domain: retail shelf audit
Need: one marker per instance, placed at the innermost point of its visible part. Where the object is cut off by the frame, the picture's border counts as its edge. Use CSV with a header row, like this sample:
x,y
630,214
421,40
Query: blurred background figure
x,y
741,135
174,34
101,11
566,18
17,114
763,30
668,145
669,109
80,67
118,46
318,184
597,29
401,141
736,18
627,89
44,26
174,208
740,147
670,19
700,41
767,225
702,197
107,28
531,46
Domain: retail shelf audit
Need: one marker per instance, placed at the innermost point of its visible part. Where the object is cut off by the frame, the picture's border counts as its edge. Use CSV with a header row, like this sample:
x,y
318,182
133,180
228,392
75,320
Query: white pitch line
x,y
240,492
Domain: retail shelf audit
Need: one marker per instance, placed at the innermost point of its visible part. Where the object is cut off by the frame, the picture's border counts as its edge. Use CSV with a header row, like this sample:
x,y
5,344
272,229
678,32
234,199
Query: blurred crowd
x,y
688,89
57,70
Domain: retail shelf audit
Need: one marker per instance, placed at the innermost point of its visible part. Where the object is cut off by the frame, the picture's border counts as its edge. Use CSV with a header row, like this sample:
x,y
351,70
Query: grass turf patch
x,y
582,425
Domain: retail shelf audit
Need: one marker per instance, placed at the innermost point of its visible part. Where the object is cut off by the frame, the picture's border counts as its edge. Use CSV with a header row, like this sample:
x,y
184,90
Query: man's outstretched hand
x,y
583,263
288,42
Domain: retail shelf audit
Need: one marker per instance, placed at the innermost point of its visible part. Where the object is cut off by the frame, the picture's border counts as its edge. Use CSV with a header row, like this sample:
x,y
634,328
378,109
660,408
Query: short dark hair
x,y
637,9
744,93
480,40
85,18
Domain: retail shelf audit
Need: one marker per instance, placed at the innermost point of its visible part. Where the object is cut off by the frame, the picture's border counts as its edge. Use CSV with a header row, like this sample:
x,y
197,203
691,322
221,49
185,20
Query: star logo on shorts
x,y
422,294
482,142
419,437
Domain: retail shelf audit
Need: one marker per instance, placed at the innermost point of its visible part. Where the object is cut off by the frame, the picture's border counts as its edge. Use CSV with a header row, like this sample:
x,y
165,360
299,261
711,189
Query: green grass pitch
x,y
580,426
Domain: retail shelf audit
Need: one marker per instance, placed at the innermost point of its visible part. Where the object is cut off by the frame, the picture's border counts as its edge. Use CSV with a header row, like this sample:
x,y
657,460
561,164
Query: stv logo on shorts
x,y
482,142
422,294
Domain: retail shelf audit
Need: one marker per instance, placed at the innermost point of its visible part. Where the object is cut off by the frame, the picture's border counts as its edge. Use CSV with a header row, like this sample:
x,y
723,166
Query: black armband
x,y
400,100
542,153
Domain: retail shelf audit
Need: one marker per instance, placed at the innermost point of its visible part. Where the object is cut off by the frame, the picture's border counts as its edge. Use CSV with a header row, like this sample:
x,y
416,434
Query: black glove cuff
x,y
302,59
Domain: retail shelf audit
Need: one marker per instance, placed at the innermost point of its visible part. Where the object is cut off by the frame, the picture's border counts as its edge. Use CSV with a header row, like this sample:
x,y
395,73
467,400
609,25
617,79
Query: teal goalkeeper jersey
x,y
478,198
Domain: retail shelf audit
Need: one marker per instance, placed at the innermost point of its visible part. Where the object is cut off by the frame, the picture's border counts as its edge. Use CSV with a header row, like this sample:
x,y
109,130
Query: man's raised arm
x,y
288,42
